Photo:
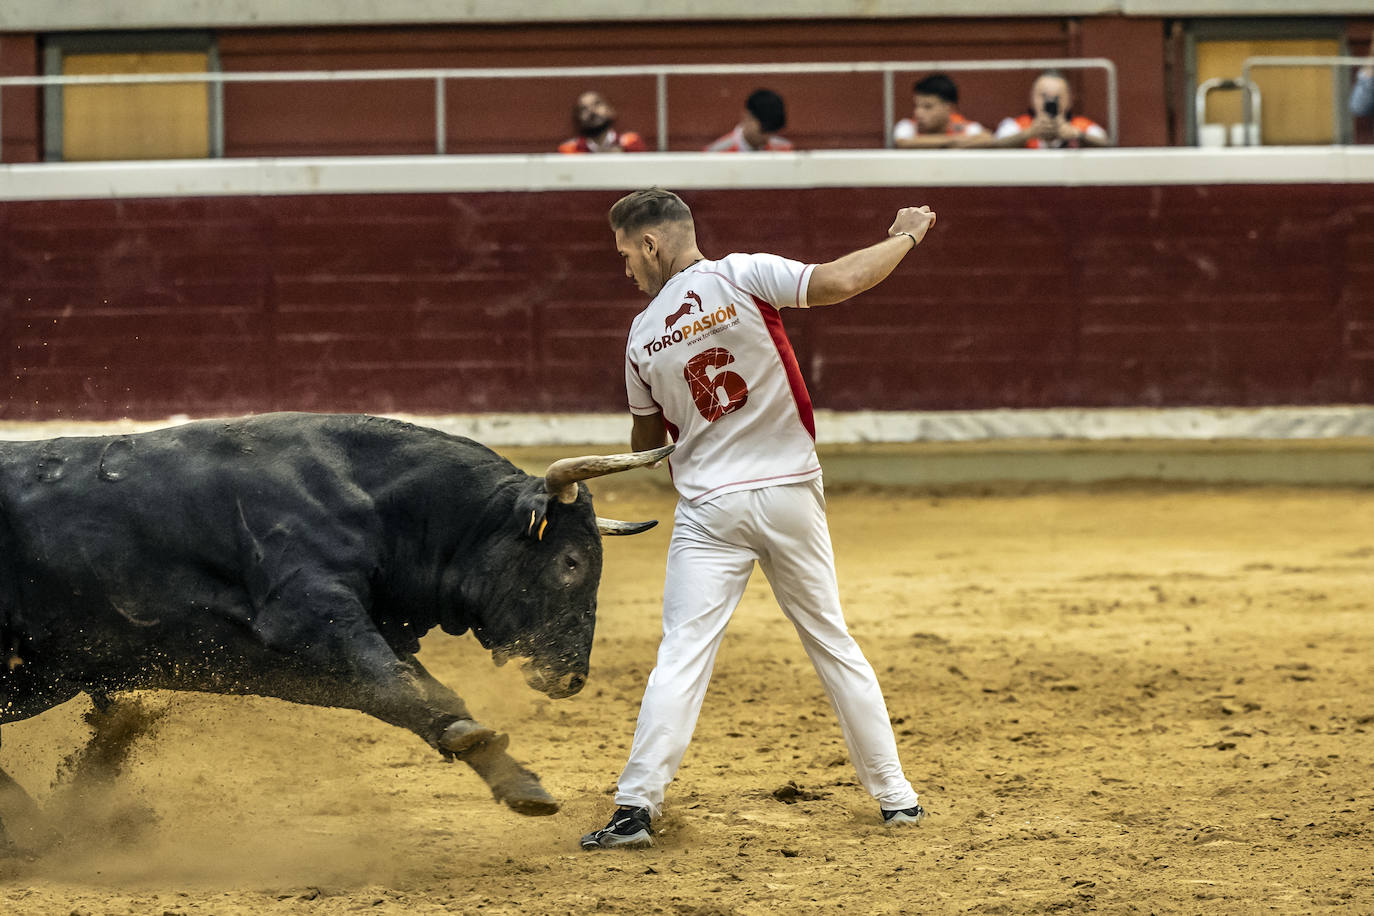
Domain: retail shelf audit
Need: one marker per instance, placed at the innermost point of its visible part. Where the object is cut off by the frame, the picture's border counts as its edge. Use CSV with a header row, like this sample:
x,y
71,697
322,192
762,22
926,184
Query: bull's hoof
x,y
520,790
532,801
464,735
510,783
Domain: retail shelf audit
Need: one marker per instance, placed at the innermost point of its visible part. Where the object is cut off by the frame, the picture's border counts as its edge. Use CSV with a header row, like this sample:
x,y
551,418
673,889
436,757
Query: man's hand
x,y
837,280
916,220
1046,127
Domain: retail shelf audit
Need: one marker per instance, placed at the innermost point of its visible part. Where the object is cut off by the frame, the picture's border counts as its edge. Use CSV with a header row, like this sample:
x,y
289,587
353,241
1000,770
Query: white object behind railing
x,y
1251,102
660,74
1251,114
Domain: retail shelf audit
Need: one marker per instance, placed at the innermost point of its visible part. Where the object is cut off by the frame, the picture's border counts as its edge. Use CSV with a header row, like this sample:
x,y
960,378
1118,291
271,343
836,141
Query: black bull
x,y
296,556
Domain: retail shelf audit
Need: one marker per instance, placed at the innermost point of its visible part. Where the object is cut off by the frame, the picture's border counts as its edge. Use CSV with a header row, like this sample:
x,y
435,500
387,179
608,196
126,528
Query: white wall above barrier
x,y
820,169
1197,424
46,16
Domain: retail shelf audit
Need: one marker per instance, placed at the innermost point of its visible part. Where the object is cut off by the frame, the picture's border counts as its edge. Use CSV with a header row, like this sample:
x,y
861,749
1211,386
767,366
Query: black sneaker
x,y
904,816
629,828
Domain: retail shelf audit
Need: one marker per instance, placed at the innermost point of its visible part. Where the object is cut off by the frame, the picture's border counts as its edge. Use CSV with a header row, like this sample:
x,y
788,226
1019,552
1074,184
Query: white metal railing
x,y
660,73
1250,114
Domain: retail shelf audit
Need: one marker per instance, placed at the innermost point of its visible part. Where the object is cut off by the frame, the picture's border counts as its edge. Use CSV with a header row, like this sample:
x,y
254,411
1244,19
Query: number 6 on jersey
x,y
715,394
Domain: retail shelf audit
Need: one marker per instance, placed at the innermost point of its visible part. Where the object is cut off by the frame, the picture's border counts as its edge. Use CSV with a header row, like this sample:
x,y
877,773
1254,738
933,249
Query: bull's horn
x,y
562,476
611,526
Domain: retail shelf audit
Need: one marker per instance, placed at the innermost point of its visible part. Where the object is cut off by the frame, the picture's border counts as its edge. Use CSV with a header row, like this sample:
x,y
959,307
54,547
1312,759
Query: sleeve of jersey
x,y
637,393
1007,127
779,281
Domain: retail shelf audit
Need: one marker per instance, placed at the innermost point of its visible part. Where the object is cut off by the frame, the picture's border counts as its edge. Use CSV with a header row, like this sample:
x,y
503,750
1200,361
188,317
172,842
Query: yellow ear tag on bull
x,y
530,529
542,525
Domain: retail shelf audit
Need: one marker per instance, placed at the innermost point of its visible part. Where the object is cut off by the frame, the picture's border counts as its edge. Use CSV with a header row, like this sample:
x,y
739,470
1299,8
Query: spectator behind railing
x,y
1050,123
764,115
1362,96
594,120
935,123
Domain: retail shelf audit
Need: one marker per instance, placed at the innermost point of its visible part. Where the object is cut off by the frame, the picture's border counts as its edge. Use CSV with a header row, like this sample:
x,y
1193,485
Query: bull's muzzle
x,y
555,686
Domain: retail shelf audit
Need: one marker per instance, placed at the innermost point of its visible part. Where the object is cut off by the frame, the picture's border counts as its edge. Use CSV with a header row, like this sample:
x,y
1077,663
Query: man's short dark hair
x,y
767,106
650,207
939,85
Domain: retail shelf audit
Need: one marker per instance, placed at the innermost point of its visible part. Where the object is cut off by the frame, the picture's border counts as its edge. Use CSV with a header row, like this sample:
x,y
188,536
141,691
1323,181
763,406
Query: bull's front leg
x,y
342,660
323,649
510,782
402,692
360,671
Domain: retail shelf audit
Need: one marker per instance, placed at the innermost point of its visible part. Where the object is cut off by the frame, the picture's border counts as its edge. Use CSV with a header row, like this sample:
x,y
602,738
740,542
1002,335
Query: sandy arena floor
x,y
1111,699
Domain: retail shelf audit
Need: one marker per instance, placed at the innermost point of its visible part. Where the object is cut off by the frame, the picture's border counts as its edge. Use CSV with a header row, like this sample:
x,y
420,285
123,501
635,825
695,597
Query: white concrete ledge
x,y
820,169
870,427
45,15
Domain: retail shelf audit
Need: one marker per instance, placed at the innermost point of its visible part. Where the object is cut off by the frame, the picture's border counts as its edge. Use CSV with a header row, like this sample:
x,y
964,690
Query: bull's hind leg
x,y
22,822
25,692
85,804
19,813
115,726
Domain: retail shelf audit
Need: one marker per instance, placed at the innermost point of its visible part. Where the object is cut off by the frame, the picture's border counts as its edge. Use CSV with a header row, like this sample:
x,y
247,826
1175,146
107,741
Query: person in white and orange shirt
x,y
1050,122
594,120
935,122
764,115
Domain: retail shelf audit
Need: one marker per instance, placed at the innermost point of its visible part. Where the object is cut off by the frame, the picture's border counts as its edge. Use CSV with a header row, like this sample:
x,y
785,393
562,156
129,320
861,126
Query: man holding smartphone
x,y
1050,123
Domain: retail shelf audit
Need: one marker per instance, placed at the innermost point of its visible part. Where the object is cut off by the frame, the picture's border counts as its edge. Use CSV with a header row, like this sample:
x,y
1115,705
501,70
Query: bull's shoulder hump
x,y
270,440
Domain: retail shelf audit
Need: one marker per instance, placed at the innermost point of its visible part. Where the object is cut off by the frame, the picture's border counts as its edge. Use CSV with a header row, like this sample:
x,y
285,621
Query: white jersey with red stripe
x,y
710,353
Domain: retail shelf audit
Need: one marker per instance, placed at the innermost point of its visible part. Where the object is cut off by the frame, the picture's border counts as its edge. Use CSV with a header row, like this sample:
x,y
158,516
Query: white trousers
x,y
710,557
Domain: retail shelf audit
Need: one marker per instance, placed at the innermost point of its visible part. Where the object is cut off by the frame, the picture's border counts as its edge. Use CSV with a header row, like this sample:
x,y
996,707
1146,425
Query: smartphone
x,y
1052,107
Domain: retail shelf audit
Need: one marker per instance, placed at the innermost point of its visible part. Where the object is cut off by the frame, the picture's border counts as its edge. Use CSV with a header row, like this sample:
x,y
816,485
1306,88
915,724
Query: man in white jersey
x,y
708,363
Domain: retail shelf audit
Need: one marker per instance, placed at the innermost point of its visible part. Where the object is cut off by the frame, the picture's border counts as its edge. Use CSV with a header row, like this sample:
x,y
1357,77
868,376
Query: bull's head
x,y
539,576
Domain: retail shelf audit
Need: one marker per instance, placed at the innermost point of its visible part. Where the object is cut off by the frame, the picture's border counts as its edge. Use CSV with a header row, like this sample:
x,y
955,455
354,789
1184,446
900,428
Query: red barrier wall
x,y
19,110
1022,297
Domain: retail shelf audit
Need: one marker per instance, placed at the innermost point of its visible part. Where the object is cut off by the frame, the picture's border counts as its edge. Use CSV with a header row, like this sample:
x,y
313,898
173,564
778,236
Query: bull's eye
x,y
570,562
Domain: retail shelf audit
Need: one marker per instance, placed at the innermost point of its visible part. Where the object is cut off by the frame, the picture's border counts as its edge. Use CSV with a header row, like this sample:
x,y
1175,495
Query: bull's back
x,y
149,560
149,490
169,508
178,517
199,469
